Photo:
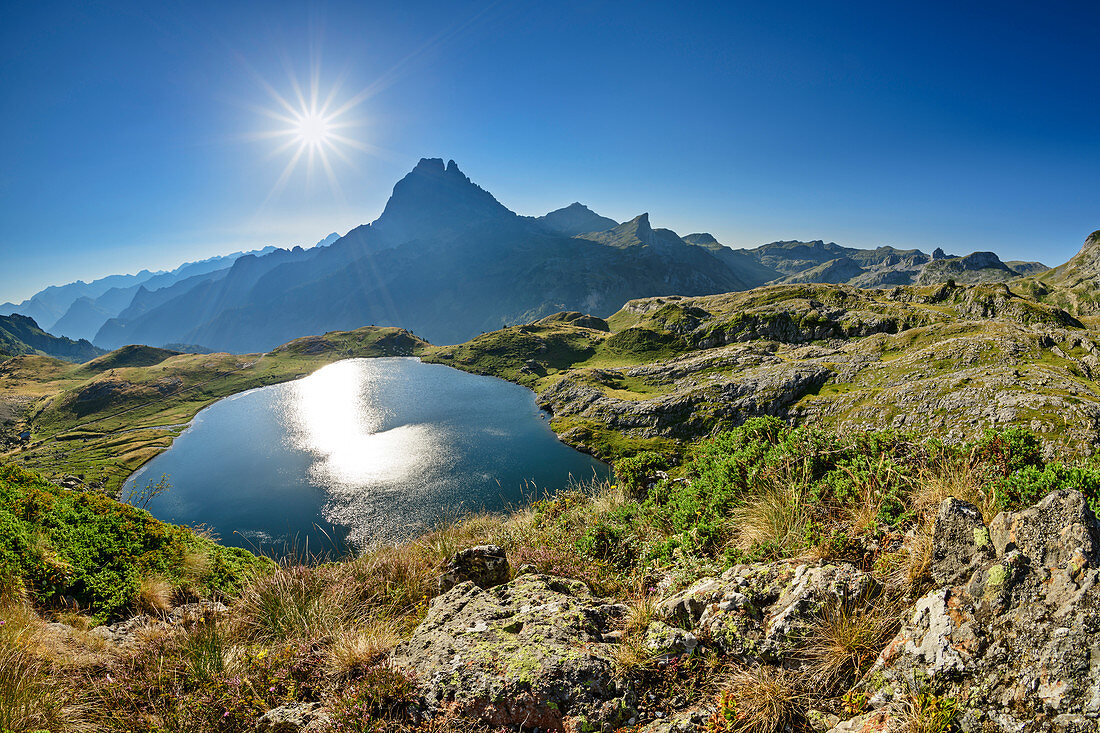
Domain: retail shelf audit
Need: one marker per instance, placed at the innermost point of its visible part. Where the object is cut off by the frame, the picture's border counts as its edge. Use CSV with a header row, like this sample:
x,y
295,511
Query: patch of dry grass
x,y
775,519
760,699
154,595
846,640
32,696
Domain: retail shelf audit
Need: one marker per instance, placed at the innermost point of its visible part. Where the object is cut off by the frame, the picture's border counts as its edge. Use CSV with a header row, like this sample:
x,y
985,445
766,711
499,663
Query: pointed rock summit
x,y
434,198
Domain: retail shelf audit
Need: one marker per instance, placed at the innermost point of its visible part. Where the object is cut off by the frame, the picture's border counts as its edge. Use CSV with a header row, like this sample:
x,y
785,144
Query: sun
x,y
314,128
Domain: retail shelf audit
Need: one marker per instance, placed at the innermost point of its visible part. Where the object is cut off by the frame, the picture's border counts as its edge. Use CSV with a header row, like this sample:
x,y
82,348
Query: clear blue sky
x,y
127,129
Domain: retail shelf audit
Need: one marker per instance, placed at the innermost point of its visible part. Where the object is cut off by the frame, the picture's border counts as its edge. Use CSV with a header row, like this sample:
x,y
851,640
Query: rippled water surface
x,y
362,450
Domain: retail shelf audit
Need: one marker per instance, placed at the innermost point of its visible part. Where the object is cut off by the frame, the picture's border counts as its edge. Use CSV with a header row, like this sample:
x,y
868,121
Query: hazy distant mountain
x,y
574,219
446,260
21,335
78,309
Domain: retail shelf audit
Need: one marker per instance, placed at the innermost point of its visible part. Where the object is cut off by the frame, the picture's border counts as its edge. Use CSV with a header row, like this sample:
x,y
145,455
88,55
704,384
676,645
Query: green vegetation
x,y
304,631
85,549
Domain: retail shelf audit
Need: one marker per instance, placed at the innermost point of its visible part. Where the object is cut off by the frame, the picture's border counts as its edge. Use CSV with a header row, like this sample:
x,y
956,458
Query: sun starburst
x,y
314,128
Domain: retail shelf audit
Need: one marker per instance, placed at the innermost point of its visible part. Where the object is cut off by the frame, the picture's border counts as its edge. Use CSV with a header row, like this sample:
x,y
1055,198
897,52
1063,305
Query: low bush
x,y
98,551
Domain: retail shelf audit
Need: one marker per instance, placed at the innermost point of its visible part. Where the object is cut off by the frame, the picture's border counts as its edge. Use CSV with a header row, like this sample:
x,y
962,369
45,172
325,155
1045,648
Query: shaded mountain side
x,y
840,270
167,321
575,219
446,260
50,306
21,335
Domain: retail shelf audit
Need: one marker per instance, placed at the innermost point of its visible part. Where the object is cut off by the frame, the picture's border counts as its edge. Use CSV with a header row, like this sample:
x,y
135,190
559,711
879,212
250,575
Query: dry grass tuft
x,y
632,654
847,639
154,595
759,700
298,603
775,520
945,479
360,648
32,697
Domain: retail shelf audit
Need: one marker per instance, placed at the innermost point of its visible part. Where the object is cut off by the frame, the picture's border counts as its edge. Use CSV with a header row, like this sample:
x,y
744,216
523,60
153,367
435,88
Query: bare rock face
x,y
759,612
1013,635
485,566
299,717
527,653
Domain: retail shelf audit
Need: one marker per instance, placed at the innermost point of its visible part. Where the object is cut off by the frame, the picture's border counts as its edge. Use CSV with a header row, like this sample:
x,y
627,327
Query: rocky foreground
x,y
1008,640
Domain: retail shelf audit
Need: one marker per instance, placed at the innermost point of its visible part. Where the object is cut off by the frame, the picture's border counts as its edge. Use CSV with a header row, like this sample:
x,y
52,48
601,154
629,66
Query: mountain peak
x,y
434,197
574,219
701,238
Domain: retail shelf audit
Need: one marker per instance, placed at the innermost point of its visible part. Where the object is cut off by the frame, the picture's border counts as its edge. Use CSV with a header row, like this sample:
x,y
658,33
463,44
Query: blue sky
x,y
128,130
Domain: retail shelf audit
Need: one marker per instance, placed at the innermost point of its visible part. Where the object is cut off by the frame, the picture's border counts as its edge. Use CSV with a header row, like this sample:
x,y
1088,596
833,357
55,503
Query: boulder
x,y
960,541
297,717
529,652
1014,636
759,612
485,566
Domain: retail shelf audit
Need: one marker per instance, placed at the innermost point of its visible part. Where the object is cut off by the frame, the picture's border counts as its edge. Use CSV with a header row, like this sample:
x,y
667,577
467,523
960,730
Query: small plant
x,y
759,700
927,713
141,497
382,694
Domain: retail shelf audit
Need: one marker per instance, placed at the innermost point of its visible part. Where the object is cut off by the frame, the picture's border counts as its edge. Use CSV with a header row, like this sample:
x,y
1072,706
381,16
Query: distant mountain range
x,y
78,310
447,260
20,335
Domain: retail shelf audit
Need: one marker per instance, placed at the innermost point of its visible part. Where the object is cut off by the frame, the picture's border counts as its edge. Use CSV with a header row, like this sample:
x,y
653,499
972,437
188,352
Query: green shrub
x,y
92,548
1026,486
631,472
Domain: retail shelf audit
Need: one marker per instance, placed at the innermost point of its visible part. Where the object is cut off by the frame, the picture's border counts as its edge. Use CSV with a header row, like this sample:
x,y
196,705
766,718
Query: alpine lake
x,y
363,451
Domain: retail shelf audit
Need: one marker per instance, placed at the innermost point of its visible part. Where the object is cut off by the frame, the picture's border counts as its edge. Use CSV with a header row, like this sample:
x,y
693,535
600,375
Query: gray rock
x,y
485,566
960,543
529,652
759,612
297,717
1017,642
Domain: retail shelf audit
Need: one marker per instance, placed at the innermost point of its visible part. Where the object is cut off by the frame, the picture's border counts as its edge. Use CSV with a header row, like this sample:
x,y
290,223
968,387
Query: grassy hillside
x,y
938,359
21,335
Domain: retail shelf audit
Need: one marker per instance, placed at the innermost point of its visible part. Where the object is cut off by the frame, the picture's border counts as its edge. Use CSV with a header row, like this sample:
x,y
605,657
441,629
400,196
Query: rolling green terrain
x,y
947,360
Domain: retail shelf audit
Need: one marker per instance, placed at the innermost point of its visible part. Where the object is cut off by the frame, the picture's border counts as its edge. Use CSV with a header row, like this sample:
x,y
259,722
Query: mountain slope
x,y
20,335
445,259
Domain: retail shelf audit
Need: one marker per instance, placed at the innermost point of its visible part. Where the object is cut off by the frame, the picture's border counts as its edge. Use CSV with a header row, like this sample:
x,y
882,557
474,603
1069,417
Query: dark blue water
x,y
362,451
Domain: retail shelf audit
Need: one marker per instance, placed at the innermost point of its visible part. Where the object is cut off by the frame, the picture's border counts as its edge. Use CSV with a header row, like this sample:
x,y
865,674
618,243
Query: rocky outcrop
x,y
758,613
299,717
484,566
527,653
1013,636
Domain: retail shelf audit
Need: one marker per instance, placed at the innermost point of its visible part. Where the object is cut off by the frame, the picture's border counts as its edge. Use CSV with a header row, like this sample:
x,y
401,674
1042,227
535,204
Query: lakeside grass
x,y
307,630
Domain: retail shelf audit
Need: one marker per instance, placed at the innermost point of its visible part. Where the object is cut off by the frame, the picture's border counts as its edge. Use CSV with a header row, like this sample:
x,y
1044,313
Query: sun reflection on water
x,y
366,463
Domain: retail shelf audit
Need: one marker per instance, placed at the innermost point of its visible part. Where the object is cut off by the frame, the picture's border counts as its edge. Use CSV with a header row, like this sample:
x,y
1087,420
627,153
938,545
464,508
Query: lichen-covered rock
x,y
298,717
960,543
1016,641
760,611
529,652
484,565
666,641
